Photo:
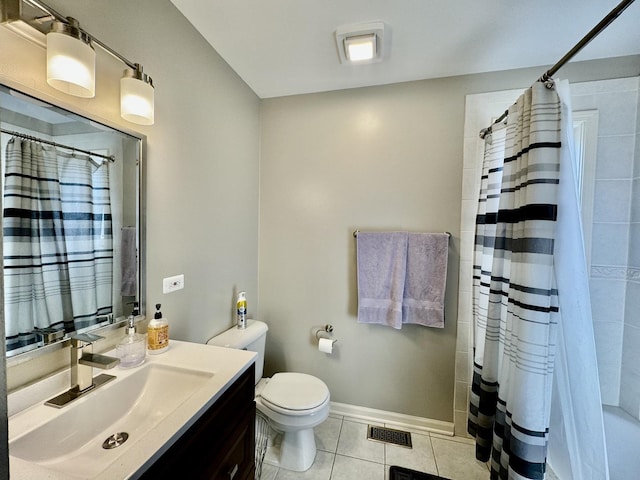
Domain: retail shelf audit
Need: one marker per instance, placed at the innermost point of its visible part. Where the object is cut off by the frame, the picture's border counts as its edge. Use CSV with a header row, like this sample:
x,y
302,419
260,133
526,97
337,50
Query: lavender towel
x,y
426,277
382,261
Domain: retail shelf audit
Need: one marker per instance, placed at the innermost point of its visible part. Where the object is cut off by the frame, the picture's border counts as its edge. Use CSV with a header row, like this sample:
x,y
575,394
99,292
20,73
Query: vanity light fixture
x,y
360,44
137,96
71,57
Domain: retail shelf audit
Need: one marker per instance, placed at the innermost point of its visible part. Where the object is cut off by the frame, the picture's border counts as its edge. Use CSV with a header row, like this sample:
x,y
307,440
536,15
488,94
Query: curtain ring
x,y
484,132
547,80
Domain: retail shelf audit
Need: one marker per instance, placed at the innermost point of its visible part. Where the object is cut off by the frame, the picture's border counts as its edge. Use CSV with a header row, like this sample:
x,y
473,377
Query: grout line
x,y
435,459
359,458
333,464
339,434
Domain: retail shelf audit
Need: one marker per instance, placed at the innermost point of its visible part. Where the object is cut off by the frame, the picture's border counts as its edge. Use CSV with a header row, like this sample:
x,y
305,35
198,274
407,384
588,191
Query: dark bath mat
x,y
400,473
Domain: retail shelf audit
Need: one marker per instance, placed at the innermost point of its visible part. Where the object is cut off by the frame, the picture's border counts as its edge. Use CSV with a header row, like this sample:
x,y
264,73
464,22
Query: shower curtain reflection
x,y
57,241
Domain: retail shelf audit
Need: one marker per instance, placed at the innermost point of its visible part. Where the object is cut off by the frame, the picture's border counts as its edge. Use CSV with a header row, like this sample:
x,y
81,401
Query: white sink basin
x,y
151,403
134,405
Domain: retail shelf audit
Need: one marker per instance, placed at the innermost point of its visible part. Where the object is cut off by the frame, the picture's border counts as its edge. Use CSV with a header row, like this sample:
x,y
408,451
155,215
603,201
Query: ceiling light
x,y
71,59
361,47
360,44
137,96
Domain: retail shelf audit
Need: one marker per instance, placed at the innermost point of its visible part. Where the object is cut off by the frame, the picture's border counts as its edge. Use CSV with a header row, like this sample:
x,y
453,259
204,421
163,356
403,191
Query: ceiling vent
x,y
360,44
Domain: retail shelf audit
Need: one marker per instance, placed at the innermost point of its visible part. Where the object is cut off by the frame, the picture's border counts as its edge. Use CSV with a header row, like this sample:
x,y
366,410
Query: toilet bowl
x,y
294,403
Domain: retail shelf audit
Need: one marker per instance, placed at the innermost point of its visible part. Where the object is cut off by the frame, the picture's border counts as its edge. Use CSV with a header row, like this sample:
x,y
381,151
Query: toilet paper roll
x,y
325,345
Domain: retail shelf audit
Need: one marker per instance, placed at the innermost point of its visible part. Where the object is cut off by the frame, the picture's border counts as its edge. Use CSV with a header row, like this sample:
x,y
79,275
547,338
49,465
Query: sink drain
x,y
115,440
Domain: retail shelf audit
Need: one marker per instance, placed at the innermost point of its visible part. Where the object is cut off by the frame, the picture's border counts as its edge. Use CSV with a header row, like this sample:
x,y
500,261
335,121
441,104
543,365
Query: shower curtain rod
x,y
595,31
109,158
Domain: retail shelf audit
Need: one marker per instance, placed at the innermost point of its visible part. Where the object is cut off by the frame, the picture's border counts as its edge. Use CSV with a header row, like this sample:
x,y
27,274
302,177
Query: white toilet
x,y
294,402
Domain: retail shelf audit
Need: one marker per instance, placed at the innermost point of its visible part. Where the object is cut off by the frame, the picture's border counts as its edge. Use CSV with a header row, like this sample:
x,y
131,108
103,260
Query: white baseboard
x,y
392,419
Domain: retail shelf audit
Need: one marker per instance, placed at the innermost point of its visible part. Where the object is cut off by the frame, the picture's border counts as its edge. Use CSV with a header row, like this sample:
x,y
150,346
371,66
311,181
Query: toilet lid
x,y
295,391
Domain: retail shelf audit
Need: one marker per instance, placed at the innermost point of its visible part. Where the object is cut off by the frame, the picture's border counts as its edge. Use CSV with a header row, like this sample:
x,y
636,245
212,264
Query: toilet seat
x,y
295,394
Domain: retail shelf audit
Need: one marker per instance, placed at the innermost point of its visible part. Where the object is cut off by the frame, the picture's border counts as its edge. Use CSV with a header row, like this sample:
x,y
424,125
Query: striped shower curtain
x,y
57,241
515,296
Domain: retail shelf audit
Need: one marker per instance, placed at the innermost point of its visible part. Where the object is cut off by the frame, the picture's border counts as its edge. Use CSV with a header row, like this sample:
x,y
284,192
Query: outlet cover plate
x,y
171,284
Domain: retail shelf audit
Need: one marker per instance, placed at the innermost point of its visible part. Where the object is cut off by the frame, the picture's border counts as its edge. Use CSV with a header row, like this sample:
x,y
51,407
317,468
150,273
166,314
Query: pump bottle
x,y
158,333
132,349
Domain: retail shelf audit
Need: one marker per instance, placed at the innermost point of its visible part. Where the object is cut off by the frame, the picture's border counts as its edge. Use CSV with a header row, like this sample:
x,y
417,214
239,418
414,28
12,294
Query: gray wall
x,y
369,159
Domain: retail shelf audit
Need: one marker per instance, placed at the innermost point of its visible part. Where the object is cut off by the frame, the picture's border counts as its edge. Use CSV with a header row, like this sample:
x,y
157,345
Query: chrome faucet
x,y
82,362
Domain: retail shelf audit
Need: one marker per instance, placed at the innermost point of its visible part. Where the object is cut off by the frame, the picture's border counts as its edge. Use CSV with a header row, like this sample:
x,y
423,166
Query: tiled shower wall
x,y
630,371
615,263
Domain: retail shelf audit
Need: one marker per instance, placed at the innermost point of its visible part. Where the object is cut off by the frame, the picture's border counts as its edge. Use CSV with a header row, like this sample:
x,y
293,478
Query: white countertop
x,y
27,410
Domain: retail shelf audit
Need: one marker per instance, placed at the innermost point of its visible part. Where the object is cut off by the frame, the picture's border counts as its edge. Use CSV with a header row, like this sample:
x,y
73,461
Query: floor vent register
x,y
389,435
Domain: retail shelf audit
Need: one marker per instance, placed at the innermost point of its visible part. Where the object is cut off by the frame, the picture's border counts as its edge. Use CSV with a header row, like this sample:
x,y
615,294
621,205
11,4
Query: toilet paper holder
x,y
325,332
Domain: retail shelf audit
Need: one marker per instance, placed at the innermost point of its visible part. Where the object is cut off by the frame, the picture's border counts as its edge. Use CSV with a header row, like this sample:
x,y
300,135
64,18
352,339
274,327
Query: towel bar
x,y
356,232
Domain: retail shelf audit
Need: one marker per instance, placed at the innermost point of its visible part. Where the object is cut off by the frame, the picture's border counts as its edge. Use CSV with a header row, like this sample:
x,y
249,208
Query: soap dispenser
x,y
132,349
158,333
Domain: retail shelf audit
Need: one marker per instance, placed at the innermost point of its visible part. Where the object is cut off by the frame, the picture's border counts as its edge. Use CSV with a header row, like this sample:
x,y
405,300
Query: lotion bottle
x,y
241,307
158,333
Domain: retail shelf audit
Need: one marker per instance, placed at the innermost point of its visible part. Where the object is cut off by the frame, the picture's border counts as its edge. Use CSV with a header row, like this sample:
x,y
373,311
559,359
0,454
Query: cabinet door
x,y
238,463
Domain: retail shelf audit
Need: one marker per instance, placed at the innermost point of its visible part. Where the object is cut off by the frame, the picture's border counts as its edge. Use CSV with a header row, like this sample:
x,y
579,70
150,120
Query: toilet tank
x,y
252,338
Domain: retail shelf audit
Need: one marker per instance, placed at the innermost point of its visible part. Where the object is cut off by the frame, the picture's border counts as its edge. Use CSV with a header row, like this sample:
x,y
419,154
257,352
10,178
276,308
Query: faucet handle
x,y
83,339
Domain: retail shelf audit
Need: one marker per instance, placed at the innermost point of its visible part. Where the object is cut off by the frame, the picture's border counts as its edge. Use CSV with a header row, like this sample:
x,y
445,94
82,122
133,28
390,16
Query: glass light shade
x,y
362,47
71,65
136,99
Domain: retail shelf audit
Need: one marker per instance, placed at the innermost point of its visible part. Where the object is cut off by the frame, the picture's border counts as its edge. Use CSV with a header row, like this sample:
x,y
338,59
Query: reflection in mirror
x,y
70,223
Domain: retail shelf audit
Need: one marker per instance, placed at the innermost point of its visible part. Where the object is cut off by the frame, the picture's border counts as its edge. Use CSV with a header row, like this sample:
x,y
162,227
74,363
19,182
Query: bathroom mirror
x,y
72,226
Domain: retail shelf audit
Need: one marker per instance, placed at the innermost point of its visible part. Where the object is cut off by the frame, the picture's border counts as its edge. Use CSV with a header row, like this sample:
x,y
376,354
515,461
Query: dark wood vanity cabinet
x,y
220,445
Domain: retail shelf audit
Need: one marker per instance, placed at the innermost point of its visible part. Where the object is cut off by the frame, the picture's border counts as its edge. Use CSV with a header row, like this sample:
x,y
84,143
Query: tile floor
x,y
344,453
